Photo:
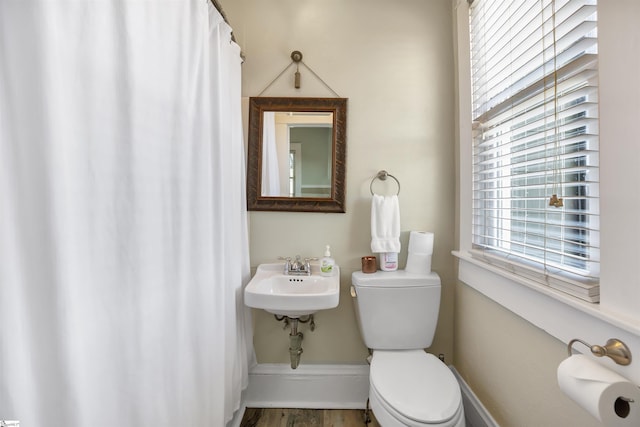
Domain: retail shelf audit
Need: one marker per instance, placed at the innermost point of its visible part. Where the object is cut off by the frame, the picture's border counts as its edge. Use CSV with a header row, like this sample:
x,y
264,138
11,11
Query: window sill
x,y
558,314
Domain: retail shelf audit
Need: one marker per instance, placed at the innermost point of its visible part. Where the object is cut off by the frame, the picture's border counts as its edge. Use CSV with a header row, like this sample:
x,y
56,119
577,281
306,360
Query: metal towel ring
x,y
382,176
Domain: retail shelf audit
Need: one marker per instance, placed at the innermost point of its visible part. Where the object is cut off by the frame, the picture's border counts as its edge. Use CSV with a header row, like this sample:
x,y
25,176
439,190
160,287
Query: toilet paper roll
x,y
606,395
420,242
418,263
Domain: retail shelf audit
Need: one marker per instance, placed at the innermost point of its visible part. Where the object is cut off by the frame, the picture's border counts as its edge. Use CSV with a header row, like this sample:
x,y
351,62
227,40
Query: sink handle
x,y
287,264
307,265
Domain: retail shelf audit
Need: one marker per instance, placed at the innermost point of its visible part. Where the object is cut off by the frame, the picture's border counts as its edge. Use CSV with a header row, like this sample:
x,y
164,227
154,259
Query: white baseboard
x,y
474,411
309,386
331,387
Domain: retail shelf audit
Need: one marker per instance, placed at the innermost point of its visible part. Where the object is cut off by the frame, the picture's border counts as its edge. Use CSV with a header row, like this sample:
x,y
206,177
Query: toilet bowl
x,y
413,388
397,313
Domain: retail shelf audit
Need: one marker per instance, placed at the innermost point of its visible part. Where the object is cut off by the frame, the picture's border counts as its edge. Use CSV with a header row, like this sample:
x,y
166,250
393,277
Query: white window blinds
x,y
535,147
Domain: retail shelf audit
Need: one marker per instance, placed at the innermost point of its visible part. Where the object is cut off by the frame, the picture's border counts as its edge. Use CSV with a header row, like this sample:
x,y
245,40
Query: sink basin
x,y
290,295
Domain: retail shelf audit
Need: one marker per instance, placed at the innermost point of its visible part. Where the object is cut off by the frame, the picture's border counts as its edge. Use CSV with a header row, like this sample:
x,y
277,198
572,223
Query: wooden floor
x,y
272,417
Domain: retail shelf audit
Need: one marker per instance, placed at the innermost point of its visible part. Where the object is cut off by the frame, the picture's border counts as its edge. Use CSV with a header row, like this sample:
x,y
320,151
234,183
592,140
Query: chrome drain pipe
x,y
295,344
295,337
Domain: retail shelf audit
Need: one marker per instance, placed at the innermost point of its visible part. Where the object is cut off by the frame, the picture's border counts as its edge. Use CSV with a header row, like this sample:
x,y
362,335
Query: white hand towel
x,y
385,224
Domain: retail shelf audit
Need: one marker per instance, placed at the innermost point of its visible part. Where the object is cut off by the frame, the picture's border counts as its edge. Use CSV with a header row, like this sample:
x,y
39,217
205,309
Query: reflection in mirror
x,y
296,154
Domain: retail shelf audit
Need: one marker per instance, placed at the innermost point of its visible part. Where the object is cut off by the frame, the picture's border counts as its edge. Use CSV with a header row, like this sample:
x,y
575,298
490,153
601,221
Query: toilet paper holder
x,y
614,348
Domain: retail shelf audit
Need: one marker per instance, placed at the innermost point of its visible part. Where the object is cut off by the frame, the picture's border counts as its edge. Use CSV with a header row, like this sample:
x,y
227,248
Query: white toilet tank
x,y
396,310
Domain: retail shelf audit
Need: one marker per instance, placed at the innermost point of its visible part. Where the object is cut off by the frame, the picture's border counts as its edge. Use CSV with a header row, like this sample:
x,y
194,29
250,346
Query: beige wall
x,y
394,62
511,365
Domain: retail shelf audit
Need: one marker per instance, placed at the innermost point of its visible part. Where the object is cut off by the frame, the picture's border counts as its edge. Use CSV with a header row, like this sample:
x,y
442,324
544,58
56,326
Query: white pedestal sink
x,y
290,295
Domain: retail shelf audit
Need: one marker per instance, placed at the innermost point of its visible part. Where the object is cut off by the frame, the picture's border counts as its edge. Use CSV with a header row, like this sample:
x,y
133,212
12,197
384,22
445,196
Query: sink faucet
x,y
297,267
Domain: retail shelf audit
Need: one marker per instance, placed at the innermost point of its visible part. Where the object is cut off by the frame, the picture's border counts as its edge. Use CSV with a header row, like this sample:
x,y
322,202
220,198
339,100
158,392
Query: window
x,y
535,141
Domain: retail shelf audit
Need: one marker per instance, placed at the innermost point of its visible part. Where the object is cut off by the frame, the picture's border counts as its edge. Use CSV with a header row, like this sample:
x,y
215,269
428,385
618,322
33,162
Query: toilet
x,y
397,313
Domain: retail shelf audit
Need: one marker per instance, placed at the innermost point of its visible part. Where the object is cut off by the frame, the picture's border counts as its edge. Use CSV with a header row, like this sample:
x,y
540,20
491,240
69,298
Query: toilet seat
x,y
389,417
415,388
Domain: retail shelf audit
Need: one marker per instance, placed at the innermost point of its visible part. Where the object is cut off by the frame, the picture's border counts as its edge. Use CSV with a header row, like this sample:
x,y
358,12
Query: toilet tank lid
x,y
394,279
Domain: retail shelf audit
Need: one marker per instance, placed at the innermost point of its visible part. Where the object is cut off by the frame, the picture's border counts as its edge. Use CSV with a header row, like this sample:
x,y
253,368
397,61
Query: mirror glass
x,y
297,152
297,160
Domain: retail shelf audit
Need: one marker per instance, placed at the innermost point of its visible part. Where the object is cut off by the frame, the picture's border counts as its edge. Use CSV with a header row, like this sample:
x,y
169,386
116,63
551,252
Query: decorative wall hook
x,y
296,56
614,348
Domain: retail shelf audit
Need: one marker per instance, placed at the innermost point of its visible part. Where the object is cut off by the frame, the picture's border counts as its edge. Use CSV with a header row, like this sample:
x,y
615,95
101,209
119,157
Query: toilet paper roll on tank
x,y
420,251
605,394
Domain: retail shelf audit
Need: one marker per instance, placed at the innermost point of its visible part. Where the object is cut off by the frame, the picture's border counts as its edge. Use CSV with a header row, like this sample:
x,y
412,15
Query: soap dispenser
x,y
327,263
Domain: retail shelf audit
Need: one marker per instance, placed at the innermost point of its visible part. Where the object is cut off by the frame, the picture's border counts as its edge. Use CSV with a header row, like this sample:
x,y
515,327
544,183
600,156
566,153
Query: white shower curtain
x,y
270,169
123,241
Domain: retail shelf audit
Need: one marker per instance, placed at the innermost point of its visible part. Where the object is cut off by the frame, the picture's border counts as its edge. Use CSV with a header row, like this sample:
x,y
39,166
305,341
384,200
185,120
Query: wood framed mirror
x,y
297,154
